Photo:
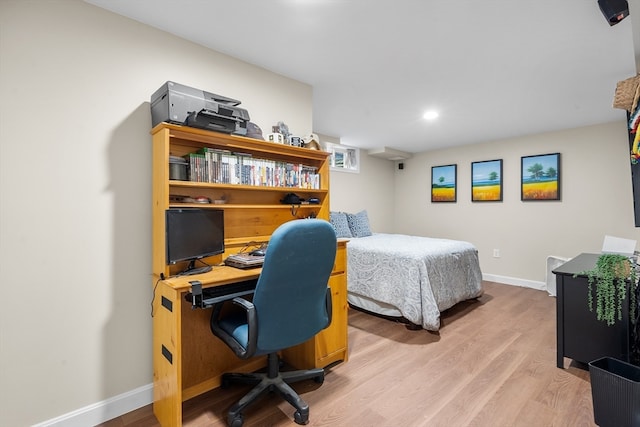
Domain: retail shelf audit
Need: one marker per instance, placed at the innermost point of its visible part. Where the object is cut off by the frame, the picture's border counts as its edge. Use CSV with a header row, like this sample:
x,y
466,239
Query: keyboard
x,y
244,260
215,294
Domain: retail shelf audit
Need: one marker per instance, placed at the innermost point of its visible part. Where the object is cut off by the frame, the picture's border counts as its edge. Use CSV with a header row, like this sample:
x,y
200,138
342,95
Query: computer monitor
x,y
193,234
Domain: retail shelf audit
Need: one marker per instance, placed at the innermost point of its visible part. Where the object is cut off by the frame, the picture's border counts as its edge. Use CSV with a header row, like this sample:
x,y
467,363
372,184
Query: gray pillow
x,y
340,224
359,224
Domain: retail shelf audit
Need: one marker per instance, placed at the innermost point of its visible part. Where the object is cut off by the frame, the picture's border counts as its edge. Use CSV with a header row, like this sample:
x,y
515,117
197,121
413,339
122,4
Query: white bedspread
x,y
420,276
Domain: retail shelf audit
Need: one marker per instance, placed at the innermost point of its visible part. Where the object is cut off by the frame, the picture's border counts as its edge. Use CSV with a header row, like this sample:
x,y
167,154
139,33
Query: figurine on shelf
x,y
295,141
276,135
283,129
312,142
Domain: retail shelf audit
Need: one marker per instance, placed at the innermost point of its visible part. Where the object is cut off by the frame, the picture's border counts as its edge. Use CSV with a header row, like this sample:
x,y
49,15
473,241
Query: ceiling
x,y
493,69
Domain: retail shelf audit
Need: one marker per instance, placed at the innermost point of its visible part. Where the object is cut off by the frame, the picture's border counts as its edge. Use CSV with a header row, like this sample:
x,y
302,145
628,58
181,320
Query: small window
x,y
344,158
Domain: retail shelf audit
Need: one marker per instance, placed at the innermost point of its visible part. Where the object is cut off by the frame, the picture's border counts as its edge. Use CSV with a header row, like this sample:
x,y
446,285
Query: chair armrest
x,y
329,306
252,325
246,305
242,350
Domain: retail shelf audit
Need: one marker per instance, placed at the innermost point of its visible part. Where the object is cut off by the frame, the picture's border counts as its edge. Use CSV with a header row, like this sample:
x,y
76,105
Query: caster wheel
x,y
236,421
319,379
299,419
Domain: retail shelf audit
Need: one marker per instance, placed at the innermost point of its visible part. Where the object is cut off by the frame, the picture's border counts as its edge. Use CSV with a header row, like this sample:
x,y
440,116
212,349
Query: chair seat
x,y
237,327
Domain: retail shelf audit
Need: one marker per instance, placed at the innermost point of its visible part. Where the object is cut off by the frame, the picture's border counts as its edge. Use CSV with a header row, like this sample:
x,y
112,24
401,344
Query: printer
x,y
176,103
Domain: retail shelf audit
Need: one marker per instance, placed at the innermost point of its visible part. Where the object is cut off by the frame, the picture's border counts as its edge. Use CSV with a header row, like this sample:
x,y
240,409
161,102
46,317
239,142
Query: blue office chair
x,y
291,304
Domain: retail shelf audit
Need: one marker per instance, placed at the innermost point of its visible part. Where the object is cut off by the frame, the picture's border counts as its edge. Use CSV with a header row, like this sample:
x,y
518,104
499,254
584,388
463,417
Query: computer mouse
x,y
257,252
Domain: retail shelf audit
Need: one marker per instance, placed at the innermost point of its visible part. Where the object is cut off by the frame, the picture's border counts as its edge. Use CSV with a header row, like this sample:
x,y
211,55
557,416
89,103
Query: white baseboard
x,y
541,286
106,410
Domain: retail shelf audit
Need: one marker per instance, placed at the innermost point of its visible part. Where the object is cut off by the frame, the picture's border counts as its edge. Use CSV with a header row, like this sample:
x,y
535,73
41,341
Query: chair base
x,y
272,380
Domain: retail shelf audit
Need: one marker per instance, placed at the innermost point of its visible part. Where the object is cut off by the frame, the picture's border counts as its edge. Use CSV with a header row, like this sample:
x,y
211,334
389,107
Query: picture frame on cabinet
x,y
540,177
443,183
486,181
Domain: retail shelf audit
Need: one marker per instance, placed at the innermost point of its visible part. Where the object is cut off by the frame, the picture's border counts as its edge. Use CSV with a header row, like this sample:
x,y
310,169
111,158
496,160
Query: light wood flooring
x,y
493,363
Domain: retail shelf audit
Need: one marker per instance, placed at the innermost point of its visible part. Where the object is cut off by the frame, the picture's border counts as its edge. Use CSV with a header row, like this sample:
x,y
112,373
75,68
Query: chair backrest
x,y
290,296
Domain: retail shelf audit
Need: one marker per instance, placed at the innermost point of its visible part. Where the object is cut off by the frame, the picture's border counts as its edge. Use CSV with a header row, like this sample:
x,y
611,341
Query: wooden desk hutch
x,y
187,359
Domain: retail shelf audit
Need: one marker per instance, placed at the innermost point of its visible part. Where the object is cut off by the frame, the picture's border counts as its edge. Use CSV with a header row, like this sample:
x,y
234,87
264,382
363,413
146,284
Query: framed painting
x,y
486,181
540,177
443,183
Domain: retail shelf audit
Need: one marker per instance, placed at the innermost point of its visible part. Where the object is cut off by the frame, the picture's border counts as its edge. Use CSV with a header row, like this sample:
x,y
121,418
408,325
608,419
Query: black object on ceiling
x,y
614,10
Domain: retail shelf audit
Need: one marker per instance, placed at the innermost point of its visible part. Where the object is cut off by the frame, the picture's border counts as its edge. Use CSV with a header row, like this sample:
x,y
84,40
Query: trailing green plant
x,y
609,278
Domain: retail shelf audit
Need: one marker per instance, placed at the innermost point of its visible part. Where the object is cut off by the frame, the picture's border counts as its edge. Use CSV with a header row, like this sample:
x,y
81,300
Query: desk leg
x,y
167,342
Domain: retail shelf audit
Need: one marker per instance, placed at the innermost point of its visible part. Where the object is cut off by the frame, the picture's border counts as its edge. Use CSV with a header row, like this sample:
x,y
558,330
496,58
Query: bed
x,y
409,277
412,277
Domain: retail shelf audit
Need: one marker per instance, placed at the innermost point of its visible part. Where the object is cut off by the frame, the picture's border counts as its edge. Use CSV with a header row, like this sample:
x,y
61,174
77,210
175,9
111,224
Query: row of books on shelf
x,y
226,167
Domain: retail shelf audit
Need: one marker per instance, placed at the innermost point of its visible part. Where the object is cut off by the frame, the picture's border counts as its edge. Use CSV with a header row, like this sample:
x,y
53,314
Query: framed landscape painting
x,y
443,183
486,181
540,177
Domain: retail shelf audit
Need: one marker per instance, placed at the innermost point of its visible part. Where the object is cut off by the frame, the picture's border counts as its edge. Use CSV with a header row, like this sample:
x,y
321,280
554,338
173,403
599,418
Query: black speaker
x,y
614,10
400,165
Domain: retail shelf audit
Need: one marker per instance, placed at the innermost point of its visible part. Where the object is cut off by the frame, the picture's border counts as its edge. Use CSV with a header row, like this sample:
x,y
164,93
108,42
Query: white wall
x,y
371,189
75,185
595,190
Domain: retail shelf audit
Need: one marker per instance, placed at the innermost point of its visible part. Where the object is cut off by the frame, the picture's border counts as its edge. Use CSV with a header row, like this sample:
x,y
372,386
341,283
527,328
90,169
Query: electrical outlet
x,y
496,253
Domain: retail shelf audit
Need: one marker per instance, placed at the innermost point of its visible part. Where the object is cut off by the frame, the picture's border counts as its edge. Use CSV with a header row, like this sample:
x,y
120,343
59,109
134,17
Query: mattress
x,y
417,276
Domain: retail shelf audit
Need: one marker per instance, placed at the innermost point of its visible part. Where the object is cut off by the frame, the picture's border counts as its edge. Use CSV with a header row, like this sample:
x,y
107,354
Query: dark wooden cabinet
x,y
580,336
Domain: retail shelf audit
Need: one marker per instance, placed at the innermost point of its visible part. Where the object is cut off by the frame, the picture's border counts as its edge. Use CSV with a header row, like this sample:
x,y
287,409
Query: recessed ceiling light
x,y
430,115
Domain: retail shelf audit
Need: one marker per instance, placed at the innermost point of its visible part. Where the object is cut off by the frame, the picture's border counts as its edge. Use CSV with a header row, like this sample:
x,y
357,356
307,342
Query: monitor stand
x,y
192,269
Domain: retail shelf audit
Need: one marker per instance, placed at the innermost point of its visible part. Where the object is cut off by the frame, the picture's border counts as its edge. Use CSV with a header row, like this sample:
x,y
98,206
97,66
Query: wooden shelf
x,y
240,187
184,136
183,366
238,206
250,210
